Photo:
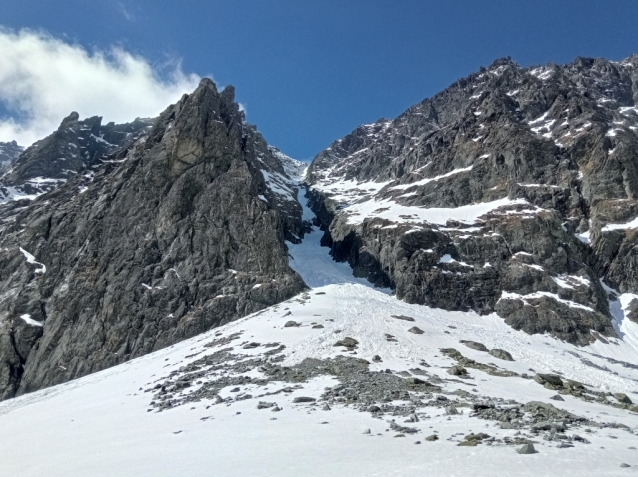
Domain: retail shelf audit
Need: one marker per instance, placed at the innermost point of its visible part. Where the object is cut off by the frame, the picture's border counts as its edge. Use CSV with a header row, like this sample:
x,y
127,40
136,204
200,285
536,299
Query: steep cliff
x,y
173,233
513,190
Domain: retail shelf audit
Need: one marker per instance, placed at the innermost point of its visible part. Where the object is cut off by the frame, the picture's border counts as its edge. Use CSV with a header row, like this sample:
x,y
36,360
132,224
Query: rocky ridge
x,y
75,146
9,152
512,191
177,230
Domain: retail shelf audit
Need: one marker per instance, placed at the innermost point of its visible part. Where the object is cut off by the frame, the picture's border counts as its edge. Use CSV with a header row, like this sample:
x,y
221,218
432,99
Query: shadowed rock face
x,y
557,145
9,152
169,236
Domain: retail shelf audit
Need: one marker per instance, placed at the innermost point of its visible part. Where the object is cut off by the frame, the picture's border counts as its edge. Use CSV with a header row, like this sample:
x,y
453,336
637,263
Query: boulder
x,y
474,345
501,354
527,449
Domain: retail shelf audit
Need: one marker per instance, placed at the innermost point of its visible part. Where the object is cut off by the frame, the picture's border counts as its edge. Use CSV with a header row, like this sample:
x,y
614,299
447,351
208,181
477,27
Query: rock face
x,y
515,191
169,235
9,152
74,147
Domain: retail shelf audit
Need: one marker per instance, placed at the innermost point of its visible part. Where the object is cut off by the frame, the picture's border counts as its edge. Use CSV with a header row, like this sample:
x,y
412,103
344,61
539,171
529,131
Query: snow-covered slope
x,y
223,403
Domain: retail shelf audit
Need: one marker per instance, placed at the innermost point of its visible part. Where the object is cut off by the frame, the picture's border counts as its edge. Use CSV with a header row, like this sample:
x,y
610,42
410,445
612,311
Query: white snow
x,y
30,321
388,209
31,259
99,425
431,179
540,294
628,225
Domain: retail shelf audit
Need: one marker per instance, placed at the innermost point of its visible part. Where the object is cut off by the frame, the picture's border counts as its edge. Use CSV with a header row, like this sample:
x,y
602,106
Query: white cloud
x,y
43,79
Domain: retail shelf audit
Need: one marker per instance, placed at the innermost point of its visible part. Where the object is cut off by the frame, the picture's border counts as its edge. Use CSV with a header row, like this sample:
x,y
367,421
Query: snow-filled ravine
x,y
136,419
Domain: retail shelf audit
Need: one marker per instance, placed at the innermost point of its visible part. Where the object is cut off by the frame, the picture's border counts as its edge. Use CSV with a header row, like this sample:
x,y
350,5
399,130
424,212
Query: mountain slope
x,y
512,191
258,397
177,232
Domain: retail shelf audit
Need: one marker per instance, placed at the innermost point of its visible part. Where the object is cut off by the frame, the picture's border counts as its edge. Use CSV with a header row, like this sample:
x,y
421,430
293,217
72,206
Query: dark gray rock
x,y
623,398
414,381
76,146
402,317
474,345
501,354
347,342
300,399
558,142
559,426
457,371
266,405
552,379
167,241
527,449
416,330
291,324
403,429
9,152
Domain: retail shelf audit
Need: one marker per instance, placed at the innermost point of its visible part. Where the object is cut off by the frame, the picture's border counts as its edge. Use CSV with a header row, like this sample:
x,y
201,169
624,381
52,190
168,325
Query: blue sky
x,y
308,72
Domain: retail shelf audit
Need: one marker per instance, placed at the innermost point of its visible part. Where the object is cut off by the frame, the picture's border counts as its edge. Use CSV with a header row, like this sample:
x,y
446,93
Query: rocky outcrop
x,y
173,233
9,152
511,191
74,147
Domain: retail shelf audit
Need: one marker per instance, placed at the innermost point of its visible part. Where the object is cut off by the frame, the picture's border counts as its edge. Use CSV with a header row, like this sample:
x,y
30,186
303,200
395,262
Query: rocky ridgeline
x,y
515,191
9,152
178,229
74,147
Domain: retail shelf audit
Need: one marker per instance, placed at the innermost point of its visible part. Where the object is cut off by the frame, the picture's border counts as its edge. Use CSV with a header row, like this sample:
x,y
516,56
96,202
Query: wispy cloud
x,y
130,16
43,79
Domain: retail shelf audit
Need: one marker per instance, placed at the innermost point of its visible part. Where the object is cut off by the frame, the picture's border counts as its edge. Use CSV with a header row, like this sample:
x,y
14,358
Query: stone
x,y
552,379
291,324
474,345
266,405
301,399
457,371
557,397
501,354
623,398
624,466
527,449
415,381
402,317
432,438
559,426
347,342
564,445
374,408
367,431
416,330
317,327
377,359
468,443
